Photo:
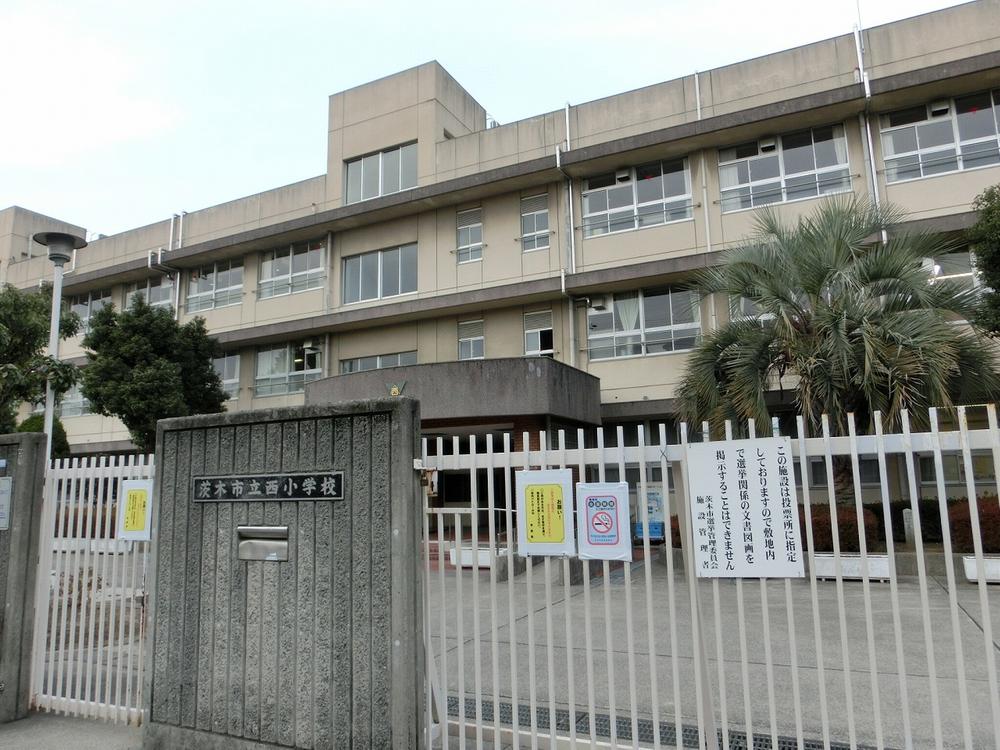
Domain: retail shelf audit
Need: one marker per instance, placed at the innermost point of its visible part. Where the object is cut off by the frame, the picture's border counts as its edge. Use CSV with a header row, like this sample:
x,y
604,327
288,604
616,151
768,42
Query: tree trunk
x,y
843,480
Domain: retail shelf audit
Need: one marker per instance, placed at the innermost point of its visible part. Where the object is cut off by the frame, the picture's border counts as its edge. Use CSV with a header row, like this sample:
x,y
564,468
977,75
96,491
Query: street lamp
x,y
61,247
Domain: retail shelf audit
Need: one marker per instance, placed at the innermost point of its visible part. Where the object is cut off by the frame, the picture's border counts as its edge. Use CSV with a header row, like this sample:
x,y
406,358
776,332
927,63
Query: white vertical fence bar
x,y
588,636
925,607
567,618
956,628
550,662
90,597
508,480
476,620
720,652
529,584
671,596
654,692
629,631
494,605
977,546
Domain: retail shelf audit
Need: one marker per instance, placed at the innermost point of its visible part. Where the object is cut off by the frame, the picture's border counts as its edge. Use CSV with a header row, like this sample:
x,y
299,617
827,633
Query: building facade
x,y
435,237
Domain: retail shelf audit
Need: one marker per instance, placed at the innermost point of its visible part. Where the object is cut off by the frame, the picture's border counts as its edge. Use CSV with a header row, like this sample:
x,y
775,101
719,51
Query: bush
x,y
930,519
960,519
847,527
36,423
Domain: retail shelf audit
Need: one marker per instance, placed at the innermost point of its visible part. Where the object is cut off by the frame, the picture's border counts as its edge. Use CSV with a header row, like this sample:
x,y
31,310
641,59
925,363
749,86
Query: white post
x,y
50,396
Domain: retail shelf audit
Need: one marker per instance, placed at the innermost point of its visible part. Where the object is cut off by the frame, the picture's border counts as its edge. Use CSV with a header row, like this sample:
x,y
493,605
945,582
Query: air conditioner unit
x,y
623,175
598,302
767,144
940,107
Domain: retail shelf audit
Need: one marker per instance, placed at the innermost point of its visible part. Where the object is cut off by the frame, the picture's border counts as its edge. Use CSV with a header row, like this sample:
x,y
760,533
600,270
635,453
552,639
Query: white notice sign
x,y
744,512
5,493
602,521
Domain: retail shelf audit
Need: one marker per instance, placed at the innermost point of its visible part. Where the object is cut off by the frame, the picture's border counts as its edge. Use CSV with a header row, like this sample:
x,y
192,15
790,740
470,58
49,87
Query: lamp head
x,y
60,245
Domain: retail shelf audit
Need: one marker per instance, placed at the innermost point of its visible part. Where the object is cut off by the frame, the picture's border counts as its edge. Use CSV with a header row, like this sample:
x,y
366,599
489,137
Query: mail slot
x,y
268,543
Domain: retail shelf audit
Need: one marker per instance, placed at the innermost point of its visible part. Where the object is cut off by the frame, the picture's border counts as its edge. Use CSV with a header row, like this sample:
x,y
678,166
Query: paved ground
x,y
553,661
42,731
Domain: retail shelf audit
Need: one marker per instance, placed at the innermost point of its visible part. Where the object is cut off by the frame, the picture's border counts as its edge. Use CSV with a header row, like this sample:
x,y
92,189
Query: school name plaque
x,y
327,485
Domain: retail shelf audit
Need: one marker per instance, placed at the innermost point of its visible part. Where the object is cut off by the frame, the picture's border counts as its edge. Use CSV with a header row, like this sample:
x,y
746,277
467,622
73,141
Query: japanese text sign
x,y
327,485
545,512
135,510
744,511
602,512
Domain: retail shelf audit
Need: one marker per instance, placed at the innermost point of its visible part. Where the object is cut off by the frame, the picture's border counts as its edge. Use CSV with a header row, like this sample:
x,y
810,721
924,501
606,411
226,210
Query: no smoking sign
x,y
602,513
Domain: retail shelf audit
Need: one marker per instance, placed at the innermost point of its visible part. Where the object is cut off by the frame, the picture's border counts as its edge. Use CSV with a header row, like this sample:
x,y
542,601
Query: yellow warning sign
x,y
543,505
135,510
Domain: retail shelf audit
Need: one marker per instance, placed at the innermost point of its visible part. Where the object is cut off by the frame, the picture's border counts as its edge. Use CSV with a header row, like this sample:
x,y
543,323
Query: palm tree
x,y
843,310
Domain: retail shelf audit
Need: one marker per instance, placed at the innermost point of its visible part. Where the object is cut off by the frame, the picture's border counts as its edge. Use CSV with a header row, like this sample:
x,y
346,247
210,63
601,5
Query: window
x,y
944,136
958,266
73,404
471,342
87,304
377,362
954,468
656,193
741,308
538,334
647,321
217,285
788,168
158,292
228,367
470,235
287,368
383,273
535,223
383,173
292,269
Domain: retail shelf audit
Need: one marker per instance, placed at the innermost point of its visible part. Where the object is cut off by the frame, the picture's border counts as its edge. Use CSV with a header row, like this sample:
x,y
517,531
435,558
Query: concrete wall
x,y
22,457
23,261
320,651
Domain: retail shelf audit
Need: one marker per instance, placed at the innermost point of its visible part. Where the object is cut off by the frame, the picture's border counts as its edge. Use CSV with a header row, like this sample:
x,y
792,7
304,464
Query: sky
x,y
116,113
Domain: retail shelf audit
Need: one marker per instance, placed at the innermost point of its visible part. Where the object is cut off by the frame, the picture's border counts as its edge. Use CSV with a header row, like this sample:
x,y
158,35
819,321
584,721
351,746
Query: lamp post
x,y
61,247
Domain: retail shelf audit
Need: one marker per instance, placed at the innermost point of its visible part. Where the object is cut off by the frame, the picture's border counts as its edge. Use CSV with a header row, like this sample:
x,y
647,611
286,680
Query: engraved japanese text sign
x,y
325,485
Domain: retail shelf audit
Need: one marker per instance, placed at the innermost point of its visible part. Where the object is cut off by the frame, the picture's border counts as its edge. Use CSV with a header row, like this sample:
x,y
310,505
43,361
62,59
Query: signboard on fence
x,y
135,510
654,509
744,511
602,521
545,512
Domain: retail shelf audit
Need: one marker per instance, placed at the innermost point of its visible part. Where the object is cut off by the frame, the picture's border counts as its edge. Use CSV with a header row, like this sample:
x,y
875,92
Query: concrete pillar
x,y
22,473
316,641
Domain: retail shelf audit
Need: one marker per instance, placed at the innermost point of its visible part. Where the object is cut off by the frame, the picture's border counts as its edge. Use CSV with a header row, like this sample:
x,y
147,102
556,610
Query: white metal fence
x,y
91,594
894,646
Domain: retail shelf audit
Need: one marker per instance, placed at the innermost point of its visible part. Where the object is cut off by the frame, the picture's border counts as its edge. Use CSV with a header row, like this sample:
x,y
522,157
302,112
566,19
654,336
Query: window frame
x,y
133,290
230,385
381,362
472,250
536,235
588,224
292,380
311,278
471,340
639,335
79,405
954,147
217,297
381,253
360,160
74,302
782,177
538,351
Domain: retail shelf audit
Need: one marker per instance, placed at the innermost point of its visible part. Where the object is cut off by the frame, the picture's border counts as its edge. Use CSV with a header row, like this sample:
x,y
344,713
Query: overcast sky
x,y
118,113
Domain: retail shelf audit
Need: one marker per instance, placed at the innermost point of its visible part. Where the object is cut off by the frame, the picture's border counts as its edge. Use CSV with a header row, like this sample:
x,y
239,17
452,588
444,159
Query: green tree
x,y
849,322
144,366
985,237
24,335
36,423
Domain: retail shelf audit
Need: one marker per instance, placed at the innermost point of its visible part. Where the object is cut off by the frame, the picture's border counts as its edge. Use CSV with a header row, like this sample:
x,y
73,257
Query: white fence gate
x,y
90,600
894,646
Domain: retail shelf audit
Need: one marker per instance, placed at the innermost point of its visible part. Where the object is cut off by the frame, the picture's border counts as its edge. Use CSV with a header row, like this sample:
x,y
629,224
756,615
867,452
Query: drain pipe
x,y
173,220
180,230
864,121
704,194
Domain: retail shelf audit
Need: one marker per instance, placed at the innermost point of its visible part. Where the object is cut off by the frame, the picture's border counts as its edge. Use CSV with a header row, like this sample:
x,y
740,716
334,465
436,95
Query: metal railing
x,y
886,646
